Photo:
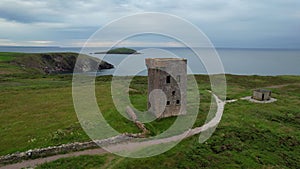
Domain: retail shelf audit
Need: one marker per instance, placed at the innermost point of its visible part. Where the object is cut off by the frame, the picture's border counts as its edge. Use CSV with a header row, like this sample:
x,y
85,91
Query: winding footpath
x,y
128,145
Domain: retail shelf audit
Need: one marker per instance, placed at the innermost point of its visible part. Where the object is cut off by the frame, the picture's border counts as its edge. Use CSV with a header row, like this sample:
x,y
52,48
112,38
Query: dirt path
x,y
126,146
281,86
136,145
35,162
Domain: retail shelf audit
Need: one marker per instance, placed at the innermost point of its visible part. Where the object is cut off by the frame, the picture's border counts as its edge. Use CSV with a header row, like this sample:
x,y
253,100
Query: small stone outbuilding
x,y
261,94
168,75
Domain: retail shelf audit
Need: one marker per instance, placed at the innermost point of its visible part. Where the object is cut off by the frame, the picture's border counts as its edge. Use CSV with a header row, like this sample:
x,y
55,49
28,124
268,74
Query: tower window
x,y
173,93
177,101
168,103
168,80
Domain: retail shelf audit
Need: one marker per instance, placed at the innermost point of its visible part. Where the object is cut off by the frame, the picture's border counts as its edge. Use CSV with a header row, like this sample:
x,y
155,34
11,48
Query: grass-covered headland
x,y
119,51
36,110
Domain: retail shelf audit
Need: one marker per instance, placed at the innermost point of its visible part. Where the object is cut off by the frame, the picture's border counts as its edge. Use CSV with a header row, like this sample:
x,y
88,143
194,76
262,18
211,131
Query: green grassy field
x,y
250,135
37,111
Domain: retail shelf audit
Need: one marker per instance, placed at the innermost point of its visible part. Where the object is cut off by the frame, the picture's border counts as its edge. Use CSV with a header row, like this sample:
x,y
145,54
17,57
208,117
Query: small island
x,y
119,51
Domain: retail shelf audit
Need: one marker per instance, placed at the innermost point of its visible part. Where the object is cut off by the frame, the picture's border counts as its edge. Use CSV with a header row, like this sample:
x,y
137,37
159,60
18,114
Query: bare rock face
x,y
89,64
57,63
50,63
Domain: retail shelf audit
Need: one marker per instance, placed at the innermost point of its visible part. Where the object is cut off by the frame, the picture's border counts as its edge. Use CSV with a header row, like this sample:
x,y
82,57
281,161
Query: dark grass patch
x,y
80,162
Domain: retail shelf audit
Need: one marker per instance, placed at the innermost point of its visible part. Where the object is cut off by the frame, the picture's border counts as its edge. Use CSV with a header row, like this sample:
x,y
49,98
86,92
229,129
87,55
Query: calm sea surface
x,y
235,61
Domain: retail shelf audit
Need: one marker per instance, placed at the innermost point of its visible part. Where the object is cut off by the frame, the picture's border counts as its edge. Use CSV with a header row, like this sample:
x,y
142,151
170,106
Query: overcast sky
x,y
228,23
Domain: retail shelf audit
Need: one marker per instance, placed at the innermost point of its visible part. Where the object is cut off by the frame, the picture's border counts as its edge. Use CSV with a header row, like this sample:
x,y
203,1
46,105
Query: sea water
x,y
234,61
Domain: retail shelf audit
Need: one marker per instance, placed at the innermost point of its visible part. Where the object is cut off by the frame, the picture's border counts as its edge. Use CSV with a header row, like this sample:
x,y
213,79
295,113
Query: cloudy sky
x,y
227,23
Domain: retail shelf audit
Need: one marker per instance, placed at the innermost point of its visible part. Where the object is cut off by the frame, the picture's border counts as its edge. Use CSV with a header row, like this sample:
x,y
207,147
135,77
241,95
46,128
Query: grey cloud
x,y
238,22
27,11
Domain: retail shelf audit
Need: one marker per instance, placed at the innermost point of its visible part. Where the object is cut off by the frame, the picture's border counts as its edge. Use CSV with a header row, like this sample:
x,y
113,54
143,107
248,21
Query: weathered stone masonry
x,y
261,94
170,76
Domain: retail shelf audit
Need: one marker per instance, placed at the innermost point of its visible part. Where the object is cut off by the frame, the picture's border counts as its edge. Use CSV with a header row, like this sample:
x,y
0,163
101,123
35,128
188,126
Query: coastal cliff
x,y
53,63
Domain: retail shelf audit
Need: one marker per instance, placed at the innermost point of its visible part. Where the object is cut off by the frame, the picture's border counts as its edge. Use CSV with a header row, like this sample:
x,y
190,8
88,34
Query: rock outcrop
x,y
51,63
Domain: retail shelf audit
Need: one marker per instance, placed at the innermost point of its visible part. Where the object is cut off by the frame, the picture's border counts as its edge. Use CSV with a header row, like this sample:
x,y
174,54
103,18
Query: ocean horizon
x,y
239,61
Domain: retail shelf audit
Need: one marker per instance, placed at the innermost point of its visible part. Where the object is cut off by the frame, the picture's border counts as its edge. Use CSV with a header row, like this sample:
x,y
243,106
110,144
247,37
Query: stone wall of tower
x,y
170,76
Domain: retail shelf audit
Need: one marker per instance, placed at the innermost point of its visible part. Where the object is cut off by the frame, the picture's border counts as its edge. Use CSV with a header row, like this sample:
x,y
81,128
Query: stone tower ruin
x,y
168,75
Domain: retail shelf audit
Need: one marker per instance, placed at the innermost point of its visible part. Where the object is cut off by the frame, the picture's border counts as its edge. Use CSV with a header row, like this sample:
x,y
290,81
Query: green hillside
x,y
119,51
36,110
44,63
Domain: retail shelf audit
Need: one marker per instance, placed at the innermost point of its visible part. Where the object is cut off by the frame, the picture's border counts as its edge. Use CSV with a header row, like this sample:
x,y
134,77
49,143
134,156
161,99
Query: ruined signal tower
x,y
170,76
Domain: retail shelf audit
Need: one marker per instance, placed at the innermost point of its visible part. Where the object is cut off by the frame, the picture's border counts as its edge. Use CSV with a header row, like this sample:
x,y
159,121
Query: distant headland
x,y
49,63
119,51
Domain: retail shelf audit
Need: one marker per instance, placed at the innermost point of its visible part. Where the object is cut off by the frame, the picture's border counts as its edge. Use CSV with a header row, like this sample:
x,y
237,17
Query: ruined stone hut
x,y
170,76
261,94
